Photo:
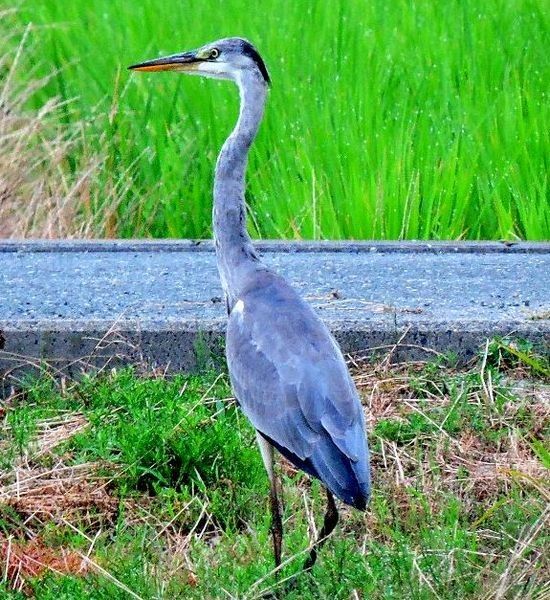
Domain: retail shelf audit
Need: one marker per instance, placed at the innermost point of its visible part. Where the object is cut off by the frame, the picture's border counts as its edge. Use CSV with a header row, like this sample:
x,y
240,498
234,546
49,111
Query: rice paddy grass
x,y
402,120
131,484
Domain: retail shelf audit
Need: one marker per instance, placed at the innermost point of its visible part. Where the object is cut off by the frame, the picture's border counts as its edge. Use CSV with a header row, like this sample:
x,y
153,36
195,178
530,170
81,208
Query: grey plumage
x,y
292,383
287,372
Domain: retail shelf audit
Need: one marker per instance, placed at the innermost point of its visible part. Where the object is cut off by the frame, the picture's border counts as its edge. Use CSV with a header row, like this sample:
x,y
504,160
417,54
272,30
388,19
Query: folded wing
x,y
291,381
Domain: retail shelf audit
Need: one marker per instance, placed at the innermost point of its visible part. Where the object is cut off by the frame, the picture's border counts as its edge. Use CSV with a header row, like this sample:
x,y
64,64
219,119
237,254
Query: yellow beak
x,y
186,61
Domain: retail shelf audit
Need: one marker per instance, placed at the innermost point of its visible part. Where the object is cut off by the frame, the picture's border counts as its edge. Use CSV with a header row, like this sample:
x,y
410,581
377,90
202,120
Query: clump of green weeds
x,y
459,503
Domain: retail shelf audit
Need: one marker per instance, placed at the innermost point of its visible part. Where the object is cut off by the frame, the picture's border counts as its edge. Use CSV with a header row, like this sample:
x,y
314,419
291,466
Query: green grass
x,y
386,120
458,508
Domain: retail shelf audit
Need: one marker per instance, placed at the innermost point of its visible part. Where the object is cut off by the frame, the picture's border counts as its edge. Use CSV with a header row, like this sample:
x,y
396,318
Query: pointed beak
x,y
176,62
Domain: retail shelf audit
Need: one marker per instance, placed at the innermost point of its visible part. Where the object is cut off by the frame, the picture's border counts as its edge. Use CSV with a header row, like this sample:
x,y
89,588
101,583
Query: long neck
x,y
234,250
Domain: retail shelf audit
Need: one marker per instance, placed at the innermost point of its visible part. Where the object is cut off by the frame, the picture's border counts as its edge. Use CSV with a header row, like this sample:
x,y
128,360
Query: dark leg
x,y
276,522
331,519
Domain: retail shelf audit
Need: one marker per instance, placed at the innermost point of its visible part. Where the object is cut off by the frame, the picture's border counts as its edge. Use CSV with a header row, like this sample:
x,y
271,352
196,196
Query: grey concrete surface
x,y
346,246
90,304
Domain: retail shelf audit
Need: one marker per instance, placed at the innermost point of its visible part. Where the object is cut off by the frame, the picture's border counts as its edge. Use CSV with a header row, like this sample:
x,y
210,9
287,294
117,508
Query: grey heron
x,y
286,370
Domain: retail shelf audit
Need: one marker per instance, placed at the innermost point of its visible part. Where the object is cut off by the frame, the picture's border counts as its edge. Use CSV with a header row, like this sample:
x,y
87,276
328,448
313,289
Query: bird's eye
x,y
214,53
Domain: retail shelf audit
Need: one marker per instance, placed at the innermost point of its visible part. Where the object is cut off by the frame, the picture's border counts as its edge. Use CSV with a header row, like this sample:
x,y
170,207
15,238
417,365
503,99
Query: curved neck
x,y
234,250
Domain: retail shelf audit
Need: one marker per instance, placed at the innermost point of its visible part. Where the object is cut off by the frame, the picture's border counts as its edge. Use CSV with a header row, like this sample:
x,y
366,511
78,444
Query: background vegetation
x,y
406,119
134,485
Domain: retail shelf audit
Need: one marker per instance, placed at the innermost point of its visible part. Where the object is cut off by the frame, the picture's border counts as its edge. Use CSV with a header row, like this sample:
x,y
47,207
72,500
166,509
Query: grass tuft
x,y
50,176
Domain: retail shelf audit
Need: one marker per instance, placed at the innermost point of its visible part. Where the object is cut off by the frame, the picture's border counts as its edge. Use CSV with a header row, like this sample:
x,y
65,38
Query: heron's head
x,y
230,58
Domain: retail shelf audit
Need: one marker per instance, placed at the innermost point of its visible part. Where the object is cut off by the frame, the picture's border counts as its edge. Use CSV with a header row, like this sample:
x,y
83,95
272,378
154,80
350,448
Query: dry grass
x,y
47,188
478,471
61,491
22,561
40,495
394,394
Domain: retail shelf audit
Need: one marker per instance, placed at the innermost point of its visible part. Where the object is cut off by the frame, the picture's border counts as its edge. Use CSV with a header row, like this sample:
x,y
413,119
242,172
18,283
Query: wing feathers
x,y
292,383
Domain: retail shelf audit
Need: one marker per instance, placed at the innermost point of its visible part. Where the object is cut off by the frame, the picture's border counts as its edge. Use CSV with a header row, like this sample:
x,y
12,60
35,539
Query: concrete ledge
x,y
414,247
82,304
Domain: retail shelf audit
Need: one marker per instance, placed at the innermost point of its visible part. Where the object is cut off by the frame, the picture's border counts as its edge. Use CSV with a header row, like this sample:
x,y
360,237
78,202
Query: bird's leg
x,y
276,522
331,519
276,519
